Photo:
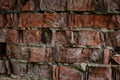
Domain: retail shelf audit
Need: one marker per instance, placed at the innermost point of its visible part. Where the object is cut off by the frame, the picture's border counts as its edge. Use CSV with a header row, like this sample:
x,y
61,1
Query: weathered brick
x,y
26,5
46,36
2,67
88,38
97,73
113,5
72,55
40,54
53,5
80,5
2,20
11,20
18,52
55,20
101,5
61,38
19,68
2,35
115,73
12,36
6,78
93,21
31,20
39,72
112,39
69,73
31,36
7,4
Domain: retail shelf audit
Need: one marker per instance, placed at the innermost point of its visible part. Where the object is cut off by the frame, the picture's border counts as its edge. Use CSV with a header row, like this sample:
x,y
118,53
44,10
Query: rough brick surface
x,y
18,52
31,20
112,38
7,4
100,73
71,55
69,73
80,5
2,35
93,21
55,20
2,20
40,54
89,38
12,36
53,5
31,36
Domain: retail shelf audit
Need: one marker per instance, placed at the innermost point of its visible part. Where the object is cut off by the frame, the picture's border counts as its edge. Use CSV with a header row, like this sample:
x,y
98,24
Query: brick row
x,y
61,5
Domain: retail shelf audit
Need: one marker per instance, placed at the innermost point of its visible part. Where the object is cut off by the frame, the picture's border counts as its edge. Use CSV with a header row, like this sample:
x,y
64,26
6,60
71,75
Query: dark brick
x,y
72,55
31,20
97,73
69,73
11,20
2,20
93,21
61,38
112,39
40,54
31,36
88,38
115,73
2,67
7,4
39,72
46,36
12,36
53,5
18,52
26,5
55,20
2,35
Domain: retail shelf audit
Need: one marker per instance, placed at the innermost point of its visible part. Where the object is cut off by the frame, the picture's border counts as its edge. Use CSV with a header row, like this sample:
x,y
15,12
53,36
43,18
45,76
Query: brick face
x,y
93,21
40,54
72,55
31,20
89,38
2,20
55,20
55,5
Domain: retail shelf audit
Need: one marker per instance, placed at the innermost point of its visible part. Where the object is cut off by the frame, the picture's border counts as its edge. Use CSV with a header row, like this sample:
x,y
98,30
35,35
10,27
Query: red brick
x,y
72,55
2,35
55,20
11,20
81,5
54,5
19,68
39,72
88,38
112,39
31,20
26,5
69,73
99,73
31,36
61,38
40,54
115,73
7,4
93,21
12,36
106,56
2,20
18,52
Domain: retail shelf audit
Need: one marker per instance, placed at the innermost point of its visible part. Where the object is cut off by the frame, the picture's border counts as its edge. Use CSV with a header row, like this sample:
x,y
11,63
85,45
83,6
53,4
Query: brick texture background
x,y
60,39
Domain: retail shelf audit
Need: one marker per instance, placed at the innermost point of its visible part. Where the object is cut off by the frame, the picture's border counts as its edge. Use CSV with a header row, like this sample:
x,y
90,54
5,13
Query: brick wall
x,y
60,39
